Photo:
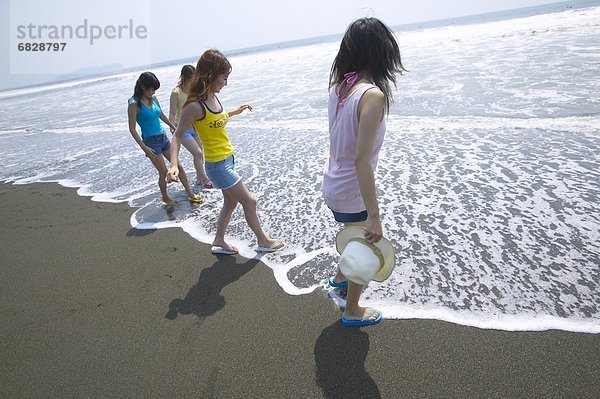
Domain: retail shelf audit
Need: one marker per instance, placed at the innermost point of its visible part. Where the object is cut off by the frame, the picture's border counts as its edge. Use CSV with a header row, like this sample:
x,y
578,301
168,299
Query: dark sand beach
x,y
93,308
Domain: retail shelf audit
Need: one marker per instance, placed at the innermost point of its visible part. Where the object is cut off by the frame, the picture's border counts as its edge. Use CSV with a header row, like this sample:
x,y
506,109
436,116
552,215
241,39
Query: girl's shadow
x,y
340,355
204,299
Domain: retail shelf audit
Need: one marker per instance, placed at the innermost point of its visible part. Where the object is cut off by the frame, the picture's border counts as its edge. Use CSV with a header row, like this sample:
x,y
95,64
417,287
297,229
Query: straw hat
x,y
361,260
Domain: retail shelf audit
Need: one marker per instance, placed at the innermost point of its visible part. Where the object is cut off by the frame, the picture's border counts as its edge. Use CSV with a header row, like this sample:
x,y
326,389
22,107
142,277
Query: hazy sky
x,y
132,33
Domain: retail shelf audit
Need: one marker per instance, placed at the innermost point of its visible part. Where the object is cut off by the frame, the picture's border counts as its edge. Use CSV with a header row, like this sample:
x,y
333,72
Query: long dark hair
x,y
147,80
187,73
210,65
368,46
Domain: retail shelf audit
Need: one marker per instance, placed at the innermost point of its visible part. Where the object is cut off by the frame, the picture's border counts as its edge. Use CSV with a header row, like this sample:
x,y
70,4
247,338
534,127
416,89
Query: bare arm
x,y
189,114
370,113
164,118
173,104
240,109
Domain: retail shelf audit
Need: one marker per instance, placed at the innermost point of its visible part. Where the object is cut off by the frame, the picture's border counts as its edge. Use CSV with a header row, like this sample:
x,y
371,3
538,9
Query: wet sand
x,y
94,308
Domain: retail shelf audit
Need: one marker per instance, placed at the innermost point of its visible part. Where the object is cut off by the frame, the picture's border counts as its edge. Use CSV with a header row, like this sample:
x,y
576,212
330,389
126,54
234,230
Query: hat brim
x,y
387,249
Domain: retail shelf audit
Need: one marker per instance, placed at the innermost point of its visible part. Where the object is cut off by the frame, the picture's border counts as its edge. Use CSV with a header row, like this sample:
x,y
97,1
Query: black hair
x,y
147,80
187,73
368,46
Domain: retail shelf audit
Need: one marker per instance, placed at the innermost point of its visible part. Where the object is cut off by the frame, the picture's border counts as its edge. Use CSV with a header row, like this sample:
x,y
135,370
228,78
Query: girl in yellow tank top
x,y
212,133
204,112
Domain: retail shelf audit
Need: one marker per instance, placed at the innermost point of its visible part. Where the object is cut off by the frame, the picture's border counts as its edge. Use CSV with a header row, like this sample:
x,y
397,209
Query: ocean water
x,y
488,180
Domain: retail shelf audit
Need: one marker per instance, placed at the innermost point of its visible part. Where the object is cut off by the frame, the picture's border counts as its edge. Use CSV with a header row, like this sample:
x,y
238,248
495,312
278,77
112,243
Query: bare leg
x,y
229,205
194,148
182,176
159,164
240,193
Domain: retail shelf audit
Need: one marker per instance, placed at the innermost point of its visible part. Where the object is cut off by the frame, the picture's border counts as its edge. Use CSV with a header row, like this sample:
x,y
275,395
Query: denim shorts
x,y
350,217
159,143
189,133
222,173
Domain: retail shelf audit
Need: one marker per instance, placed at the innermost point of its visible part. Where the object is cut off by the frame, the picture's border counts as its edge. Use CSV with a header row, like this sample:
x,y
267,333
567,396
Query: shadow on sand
x,y
340,355
133,232
204,298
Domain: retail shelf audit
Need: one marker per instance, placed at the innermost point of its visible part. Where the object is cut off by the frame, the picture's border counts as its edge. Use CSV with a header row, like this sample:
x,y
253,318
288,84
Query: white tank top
x,y
340,183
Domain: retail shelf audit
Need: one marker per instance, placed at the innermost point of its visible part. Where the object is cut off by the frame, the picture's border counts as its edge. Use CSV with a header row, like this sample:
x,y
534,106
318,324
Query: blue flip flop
x,y
336,285
365,321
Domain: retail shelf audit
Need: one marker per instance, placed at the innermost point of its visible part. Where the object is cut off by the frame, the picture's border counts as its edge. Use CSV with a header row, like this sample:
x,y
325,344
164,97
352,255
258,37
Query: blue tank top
x,y
149,119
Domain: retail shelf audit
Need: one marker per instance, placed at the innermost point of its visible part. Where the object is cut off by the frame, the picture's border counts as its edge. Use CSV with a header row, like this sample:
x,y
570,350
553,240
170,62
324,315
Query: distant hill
x,y
90,72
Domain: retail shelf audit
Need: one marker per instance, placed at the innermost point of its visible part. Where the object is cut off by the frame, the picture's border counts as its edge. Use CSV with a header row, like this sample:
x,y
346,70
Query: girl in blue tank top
x,y
149,118
144,109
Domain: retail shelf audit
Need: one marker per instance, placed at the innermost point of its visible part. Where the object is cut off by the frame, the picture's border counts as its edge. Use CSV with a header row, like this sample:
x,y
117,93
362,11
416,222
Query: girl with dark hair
x,y
190,140
359,98
204,112
144,109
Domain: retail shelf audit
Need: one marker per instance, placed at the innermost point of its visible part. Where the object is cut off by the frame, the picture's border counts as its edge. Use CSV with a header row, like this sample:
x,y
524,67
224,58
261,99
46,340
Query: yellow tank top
x,y
211,132
181,99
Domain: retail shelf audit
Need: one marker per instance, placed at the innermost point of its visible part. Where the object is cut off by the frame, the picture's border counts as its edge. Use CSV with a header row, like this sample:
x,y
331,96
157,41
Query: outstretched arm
x,y
370,114
164,118
240,109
